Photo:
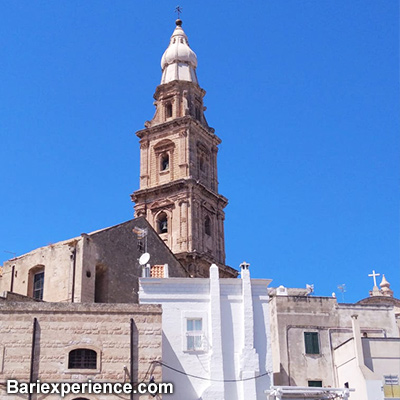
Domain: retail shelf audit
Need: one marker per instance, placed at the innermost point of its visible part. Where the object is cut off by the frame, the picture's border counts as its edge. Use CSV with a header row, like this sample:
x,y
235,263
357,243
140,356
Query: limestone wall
x,y
63,327
57,263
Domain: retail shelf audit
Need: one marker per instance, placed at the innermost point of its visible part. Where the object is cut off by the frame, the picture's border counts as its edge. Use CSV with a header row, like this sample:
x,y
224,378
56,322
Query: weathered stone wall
x,y
291,316
58,264
105,263
115,252
62,327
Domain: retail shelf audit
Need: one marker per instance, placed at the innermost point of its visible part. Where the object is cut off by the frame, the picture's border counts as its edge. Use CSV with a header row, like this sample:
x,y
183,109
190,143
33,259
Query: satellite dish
x,y
144,258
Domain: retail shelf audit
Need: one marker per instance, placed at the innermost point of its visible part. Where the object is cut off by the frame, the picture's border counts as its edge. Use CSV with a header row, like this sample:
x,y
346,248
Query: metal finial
x,y
178,10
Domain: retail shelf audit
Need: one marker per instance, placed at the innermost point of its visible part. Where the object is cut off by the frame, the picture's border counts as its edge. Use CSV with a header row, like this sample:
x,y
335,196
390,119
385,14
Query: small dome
x,y
384,282
179,61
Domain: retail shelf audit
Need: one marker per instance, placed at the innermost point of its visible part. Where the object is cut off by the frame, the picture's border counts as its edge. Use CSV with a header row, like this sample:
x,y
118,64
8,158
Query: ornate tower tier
x,y
178,192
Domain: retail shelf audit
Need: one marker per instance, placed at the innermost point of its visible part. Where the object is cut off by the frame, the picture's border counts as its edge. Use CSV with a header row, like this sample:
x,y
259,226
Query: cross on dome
x,y
374,275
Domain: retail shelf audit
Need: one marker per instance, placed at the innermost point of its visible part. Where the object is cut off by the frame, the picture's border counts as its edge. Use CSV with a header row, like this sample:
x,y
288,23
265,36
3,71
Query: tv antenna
x,y
11,252
141,234
310,288
342,289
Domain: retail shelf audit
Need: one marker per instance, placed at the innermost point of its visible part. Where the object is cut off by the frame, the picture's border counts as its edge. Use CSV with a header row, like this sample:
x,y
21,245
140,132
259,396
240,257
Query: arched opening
x,y
207,226
164,162
168,110
82,359
162,223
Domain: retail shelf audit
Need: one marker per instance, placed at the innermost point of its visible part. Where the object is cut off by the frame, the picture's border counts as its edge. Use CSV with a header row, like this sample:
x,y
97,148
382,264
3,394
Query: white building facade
x,y
216,342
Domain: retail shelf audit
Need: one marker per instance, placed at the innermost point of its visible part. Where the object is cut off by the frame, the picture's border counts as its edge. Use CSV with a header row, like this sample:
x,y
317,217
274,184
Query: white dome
x,y
179,61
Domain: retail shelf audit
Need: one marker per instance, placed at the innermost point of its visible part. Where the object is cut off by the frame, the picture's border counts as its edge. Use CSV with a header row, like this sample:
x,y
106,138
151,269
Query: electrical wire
x,y
209,379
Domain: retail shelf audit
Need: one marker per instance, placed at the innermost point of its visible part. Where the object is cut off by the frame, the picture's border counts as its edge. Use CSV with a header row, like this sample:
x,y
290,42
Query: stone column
x,y
183,154
213,172
183,225
144,174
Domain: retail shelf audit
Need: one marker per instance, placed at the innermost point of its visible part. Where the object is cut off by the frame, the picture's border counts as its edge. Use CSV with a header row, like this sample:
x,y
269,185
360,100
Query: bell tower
x,y
178,191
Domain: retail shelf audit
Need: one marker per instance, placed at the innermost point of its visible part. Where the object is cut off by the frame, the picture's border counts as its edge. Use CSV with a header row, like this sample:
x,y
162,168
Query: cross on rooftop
x,y
178,10
374,275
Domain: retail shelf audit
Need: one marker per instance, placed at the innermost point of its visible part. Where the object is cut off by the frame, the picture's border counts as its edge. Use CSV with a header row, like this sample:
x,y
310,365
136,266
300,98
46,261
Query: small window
x,y
207,226
202,165
82,359
194,334
162,223
197,113
168,110
314,383
38,283
391,380
311,342
164,166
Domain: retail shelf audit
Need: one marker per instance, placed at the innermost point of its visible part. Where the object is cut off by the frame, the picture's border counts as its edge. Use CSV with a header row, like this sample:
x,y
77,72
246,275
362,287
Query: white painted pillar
x,y
216,389
249,361
357,340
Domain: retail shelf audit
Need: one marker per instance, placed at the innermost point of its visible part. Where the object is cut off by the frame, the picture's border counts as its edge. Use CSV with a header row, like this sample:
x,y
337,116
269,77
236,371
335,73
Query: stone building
x,y
99,267
178,192
318,342
216,342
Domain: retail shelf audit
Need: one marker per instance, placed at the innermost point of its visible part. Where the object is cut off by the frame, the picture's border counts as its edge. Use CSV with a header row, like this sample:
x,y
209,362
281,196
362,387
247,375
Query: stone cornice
x,y
181,184
180,85
13,307
185,121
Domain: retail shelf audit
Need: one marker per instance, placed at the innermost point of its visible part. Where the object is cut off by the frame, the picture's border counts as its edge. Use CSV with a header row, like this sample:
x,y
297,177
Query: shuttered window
x,y
311,342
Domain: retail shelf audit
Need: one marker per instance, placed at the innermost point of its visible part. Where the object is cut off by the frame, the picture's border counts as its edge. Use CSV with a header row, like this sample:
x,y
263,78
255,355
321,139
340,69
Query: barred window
x,y
82,359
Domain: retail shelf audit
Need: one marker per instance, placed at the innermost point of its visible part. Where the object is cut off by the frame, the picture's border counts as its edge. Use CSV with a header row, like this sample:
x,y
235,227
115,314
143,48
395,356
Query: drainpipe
x,y
131,358
12,278
32,353
73,256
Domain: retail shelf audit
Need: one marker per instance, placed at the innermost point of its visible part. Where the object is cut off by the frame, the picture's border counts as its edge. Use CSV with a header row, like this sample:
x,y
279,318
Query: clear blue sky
x,y
304,94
